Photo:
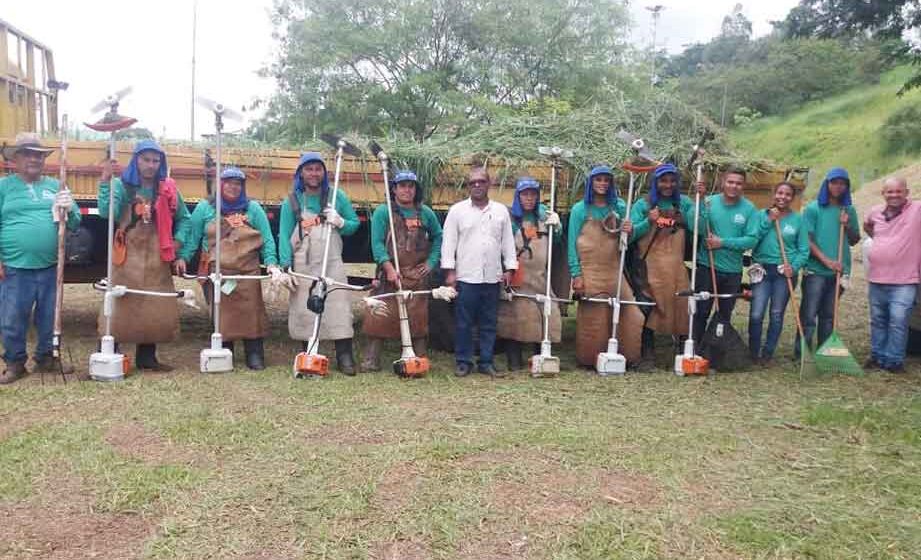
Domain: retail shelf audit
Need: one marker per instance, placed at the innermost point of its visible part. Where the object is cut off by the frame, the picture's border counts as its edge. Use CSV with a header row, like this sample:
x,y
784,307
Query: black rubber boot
x,y
255,354
371,358
344,358
649,344
513,355
228,345
146,358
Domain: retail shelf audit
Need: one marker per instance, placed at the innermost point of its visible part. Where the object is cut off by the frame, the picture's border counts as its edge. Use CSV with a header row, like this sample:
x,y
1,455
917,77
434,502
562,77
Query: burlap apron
x,y
667,276
599,255
414,247
336,323
522,319
143,319
243,313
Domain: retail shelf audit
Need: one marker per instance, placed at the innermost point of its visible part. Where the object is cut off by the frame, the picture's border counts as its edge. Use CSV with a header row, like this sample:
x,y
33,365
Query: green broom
x,y
805,354
833,356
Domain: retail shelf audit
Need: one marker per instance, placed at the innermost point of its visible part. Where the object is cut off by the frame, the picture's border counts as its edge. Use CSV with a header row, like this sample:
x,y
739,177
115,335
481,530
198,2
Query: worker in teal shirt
x,y
247,242
769,275
418,240
301,243
822,219
29,203
728,229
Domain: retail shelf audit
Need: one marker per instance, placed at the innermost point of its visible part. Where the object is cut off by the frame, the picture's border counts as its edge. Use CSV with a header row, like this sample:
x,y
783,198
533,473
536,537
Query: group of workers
x,y
488,254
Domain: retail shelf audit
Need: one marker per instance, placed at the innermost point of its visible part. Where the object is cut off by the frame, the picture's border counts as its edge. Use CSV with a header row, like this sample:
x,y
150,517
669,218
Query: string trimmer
x,y
311,363
107,364
217,359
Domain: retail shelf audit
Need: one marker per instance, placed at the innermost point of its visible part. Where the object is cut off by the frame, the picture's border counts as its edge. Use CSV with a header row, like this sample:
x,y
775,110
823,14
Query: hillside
x,y
839,131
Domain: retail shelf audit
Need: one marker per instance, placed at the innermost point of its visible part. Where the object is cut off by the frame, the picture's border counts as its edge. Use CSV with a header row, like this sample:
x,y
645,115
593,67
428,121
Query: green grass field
x,y
839,131
261,466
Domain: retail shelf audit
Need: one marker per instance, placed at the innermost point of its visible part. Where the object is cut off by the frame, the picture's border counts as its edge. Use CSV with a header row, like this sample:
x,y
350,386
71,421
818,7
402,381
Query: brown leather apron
x,y
667,276
414,246
143,319
243,313
599,255
522,319
308,259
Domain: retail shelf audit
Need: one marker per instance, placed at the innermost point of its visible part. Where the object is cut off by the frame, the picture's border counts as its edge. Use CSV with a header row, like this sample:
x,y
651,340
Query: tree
x,y
419,65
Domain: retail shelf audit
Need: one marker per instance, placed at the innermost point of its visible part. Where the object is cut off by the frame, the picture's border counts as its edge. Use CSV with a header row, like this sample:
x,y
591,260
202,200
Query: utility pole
x,y
194,44
656,14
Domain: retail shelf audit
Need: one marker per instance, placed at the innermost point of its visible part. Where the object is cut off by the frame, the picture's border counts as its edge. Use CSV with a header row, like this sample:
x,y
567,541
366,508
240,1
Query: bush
x,y
901,132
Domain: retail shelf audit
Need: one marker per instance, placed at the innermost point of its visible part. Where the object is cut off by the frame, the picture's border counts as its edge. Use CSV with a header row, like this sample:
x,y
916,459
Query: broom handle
x,y
786,263
838,274
712,263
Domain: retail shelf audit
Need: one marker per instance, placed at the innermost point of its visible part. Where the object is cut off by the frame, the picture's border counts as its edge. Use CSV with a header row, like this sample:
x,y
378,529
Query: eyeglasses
x,y
476,182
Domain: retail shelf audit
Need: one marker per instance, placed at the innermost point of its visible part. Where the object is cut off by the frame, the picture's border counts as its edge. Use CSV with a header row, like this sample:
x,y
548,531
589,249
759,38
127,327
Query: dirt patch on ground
x,y
396,488
135,440
349,435
400,550
628,489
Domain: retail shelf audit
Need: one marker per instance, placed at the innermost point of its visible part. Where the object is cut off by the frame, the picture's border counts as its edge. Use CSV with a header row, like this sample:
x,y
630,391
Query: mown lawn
x,y
257,466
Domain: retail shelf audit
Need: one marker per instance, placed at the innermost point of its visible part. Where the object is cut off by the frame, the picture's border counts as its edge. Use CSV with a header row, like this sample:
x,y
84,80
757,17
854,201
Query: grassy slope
x,y
840,131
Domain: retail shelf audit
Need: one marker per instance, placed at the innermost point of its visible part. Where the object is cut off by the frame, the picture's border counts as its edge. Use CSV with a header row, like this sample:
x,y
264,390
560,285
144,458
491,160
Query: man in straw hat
x,y
29,202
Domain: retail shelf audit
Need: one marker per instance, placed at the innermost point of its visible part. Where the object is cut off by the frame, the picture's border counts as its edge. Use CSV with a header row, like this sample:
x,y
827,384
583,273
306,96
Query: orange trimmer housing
x,y
310,365
411,367
695,365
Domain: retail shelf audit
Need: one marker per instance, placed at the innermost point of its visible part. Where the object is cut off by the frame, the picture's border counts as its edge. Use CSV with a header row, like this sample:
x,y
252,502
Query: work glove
x,y
281,279
376,307
552,219
63,202
444,293
333,218
188,299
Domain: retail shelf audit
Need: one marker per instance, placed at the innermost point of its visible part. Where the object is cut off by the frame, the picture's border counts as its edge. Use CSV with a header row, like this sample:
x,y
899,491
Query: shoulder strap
x,y
295,205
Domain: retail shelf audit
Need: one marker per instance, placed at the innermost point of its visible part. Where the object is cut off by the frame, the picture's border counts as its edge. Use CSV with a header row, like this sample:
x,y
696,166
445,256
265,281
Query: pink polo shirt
x,y
895,257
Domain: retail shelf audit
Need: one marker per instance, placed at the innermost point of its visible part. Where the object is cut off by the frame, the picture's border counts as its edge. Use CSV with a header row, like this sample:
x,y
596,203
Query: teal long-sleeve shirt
x,y
311,202
795,238
195,237
823,224
28,235
380,225
737,227
639,214
577,216
180,217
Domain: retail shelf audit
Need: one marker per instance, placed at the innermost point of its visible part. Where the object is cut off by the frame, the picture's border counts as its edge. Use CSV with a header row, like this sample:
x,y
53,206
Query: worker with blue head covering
x,y
520,321
247,243
822,220
418,239
661,221
150,219
301,241
595,223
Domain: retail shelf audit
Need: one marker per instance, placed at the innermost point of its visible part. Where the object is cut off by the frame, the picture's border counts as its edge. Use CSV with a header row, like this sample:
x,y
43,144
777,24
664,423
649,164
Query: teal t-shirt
x,y
195,237
28,234
577,217
380,225
823,225
795,238
735,224
311,202
639,214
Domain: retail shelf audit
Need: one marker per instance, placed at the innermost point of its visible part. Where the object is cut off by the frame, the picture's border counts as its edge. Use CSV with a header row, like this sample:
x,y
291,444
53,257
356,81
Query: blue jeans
x,y
817,309
22,290
890,311
772,290
476,306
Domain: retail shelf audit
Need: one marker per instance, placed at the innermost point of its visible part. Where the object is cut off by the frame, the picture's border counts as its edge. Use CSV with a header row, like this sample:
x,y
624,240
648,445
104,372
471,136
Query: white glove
x,y
189,300
276,273
375,306
506,295
333,218
444,293
63,202
552,219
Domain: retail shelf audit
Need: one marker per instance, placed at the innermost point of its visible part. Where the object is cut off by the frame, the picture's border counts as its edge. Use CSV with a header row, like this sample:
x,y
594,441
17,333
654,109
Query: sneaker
x,y
13,372
462,369
50,364
895,369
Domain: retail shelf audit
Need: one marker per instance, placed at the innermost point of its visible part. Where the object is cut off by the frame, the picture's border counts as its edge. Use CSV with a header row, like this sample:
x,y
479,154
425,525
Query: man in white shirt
x,y
478,255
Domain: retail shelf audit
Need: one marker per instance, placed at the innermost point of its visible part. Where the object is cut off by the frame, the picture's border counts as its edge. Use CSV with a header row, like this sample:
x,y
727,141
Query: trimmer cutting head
x,y
307,365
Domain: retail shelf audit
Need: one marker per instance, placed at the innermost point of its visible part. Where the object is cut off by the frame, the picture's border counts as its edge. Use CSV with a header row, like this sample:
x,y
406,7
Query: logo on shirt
x,y
738,219
47,195
789,230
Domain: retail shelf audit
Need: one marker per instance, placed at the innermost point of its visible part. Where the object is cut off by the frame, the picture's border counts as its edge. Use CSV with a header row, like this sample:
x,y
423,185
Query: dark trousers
x,y
726,283
476,306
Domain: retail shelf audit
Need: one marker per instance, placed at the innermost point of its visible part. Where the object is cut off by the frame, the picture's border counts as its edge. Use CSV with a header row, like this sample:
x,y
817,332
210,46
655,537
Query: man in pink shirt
x,y
895,270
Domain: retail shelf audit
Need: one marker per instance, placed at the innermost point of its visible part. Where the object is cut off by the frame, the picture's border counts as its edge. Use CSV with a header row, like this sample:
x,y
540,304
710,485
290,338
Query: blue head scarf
x,y
660,171
407,175
523,184
611,196
835,173
131,175
241,203
311,157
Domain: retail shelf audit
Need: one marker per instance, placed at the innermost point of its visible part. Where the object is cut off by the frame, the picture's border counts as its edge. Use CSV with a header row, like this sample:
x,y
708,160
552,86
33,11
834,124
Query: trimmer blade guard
x,y
111,123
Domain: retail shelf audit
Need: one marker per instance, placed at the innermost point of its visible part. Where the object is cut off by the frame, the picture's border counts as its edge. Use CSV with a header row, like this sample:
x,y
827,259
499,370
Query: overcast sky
x,y
101,46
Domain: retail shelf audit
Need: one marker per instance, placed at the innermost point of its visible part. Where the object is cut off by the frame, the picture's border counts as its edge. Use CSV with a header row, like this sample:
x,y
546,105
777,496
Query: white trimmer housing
x,y
543,364
611,362
216,359
107,365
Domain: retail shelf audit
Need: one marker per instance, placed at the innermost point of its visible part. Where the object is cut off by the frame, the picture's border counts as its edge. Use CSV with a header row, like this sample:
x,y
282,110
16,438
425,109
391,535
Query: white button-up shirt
x,y
477,242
